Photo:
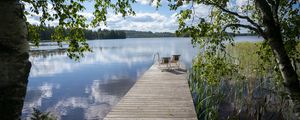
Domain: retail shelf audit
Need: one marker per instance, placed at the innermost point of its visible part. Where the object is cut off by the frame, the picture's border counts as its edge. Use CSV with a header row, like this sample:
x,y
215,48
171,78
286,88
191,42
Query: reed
x,y
252,90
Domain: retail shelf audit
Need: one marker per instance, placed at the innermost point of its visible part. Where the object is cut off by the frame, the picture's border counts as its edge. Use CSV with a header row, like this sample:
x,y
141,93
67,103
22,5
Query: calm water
x,y
88,89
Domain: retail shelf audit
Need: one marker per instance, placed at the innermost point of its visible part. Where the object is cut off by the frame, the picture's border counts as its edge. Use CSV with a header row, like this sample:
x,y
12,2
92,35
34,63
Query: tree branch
x,y
240,25
271,2
277,5
287,8
266,12
258,27
274,4
247,27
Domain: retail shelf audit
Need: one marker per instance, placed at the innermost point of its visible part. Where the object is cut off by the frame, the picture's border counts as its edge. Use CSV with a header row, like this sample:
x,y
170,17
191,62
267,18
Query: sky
x,y
147,17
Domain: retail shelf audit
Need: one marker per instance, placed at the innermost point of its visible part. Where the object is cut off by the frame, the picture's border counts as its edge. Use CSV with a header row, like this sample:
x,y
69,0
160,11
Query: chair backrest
x,y
165,60
176,57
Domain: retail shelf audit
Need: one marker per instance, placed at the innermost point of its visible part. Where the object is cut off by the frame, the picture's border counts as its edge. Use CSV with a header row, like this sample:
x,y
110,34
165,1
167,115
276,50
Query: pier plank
x,y
157,95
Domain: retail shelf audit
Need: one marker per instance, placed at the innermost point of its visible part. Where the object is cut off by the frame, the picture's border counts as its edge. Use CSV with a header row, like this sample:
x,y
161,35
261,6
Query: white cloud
x,y
144,2
34,18
240,3
185,6
202,10
88,16
153,3
143,21
199,11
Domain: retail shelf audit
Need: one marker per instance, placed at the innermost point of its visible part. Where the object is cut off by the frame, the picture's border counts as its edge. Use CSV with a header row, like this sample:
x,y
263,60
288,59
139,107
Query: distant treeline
x,y
104,34
149,34
243,34
46,33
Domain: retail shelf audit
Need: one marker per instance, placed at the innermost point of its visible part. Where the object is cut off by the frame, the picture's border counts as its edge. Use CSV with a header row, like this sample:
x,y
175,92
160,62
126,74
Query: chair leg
x,y
169,66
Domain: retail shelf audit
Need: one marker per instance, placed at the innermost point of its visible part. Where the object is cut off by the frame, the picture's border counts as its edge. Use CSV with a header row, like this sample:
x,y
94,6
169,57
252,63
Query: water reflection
x,y
89,88
34,97
52,62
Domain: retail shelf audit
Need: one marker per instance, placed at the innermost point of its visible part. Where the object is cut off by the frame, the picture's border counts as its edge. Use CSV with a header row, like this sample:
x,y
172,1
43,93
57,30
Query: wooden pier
x,y
156,95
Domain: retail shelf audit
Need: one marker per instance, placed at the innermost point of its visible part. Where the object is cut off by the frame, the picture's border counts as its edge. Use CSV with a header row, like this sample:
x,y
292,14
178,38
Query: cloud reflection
x,y
34,97
89,88
95,106
56,61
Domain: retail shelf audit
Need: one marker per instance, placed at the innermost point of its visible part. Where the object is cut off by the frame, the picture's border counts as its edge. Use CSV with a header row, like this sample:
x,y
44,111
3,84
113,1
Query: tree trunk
x,y
273,36
14,65
287,71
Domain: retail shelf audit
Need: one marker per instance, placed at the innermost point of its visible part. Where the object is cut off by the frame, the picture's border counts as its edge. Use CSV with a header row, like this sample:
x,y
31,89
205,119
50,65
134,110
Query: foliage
x,y
38,115
211,32
67,12
147,34
246,93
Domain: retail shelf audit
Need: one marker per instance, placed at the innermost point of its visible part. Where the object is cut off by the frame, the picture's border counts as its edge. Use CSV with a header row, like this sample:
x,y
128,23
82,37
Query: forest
x,y
46,32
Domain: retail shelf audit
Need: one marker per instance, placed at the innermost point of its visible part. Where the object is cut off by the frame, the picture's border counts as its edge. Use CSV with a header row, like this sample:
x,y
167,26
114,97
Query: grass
x,y
259,94
39,115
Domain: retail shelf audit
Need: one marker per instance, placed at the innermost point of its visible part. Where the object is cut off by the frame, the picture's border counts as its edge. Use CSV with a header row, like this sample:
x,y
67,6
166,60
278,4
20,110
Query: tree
x,y
14,65
277,21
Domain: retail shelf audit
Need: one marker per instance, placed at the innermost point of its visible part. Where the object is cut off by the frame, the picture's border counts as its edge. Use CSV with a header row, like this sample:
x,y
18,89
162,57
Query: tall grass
x,y
253,91
39,115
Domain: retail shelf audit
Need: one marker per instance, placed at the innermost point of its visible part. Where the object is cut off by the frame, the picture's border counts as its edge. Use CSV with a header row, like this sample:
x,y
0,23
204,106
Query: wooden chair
x,y
164,64
175,61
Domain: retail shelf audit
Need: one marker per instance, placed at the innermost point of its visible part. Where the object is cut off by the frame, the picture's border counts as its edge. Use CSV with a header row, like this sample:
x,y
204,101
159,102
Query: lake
x,y
88,89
